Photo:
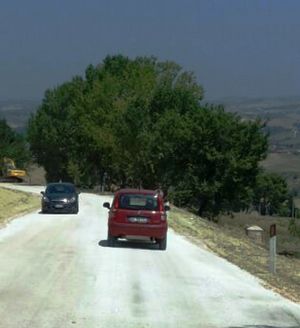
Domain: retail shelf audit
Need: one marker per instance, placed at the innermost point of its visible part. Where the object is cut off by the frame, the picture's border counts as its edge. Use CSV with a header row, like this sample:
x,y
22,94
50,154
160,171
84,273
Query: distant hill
x,y
281,115
17,112
282,118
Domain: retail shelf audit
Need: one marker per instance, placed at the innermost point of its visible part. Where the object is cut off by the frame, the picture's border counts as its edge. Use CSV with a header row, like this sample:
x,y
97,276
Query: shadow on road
x,y
56,213
130,244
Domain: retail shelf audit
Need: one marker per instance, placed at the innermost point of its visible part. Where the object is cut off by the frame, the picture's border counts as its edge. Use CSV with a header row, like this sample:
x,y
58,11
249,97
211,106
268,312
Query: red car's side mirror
x,y
107,205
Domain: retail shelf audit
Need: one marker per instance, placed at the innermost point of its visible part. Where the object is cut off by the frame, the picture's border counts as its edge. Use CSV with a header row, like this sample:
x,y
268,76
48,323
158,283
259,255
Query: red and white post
x,y
272,264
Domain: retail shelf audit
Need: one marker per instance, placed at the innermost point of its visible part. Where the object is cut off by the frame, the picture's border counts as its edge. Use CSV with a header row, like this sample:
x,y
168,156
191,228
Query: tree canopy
x,y
270,193
141,123
13,145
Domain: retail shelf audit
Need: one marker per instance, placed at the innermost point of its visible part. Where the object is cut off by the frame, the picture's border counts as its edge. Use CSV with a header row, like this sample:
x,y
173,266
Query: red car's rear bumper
x,y
158,231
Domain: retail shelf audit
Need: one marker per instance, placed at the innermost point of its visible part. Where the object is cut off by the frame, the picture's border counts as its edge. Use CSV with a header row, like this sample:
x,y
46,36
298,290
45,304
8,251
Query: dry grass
x,y
287,165
284,122
282,162
228,240
36,175
14,203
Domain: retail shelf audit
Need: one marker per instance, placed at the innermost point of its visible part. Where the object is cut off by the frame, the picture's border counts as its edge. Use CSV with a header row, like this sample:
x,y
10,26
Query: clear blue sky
x,y
236,48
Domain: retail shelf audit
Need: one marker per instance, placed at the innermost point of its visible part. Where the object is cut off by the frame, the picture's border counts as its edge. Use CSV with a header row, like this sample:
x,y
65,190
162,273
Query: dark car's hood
x,y
60,196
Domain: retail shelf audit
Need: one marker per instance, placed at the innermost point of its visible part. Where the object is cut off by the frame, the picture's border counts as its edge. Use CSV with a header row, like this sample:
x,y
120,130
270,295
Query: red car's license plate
x,y
137,219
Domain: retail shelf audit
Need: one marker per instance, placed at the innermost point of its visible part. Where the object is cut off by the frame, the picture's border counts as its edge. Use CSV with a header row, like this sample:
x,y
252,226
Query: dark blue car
x,y
60,197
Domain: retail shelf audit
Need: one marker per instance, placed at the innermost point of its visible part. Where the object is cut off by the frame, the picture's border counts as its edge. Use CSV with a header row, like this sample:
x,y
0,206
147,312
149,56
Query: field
x,y
287,165
281,115
283,162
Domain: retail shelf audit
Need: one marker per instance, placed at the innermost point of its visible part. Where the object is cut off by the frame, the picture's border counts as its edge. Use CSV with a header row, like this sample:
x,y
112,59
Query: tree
x,y
212,158
13,145
270,193
140,123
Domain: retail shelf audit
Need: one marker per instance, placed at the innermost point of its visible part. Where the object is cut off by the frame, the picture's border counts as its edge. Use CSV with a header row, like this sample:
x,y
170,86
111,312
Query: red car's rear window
x,y
138,202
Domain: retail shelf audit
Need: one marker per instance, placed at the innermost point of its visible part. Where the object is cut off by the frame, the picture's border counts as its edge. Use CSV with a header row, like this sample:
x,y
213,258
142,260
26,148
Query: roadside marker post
x,y
272,265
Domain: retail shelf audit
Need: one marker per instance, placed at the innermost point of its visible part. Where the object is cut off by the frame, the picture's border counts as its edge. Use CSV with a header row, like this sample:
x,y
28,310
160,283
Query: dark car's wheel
x,y
111,240
162,243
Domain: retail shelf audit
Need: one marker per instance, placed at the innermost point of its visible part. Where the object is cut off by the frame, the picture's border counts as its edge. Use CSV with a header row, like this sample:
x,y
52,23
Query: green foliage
x,y
13,145
270,193
294,227
218,160
140,122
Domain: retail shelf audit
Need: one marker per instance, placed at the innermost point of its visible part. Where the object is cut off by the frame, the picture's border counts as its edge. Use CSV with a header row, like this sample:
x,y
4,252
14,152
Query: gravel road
x,y
56,271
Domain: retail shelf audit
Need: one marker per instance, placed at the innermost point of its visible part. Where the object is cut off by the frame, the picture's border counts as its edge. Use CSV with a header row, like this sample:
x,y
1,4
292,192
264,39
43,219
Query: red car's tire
x,y
162,244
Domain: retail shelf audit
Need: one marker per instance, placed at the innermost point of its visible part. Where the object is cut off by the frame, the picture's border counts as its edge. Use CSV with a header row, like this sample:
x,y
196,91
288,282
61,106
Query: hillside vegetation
x,y
14,203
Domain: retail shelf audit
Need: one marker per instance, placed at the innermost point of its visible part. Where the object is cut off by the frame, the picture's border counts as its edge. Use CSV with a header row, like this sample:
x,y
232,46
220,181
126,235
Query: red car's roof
x,y
137,191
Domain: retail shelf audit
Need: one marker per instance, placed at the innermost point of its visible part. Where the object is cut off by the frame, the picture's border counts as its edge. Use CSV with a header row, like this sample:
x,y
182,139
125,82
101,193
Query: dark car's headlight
x,y
72,200
46,199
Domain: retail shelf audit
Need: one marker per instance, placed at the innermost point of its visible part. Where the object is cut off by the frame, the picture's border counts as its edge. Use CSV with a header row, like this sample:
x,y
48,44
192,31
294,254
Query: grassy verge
x,y
228,240
14,203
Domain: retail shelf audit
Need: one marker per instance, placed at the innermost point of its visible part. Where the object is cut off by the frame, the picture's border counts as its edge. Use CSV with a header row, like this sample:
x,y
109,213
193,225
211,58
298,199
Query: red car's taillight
x,y
161,206
163,217
116,204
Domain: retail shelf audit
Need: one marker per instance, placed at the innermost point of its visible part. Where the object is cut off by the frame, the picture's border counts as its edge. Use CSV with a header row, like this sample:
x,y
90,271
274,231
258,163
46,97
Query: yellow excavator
x,y
9,172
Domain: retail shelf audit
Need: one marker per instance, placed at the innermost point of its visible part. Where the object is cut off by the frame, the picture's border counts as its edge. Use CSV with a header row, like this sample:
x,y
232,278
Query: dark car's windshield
x,y
138,202
60,189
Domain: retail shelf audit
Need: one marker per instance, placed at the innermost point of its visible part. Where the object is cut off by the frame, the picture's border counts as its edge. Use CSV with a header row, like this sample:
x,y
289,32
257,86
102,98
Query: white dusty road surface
x,y
56,271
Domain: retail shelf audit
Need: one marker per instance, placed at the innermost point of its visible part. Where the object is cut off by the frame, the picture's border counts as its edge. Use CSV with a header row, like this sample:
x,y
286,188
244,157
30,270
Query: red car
x,y
137,213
